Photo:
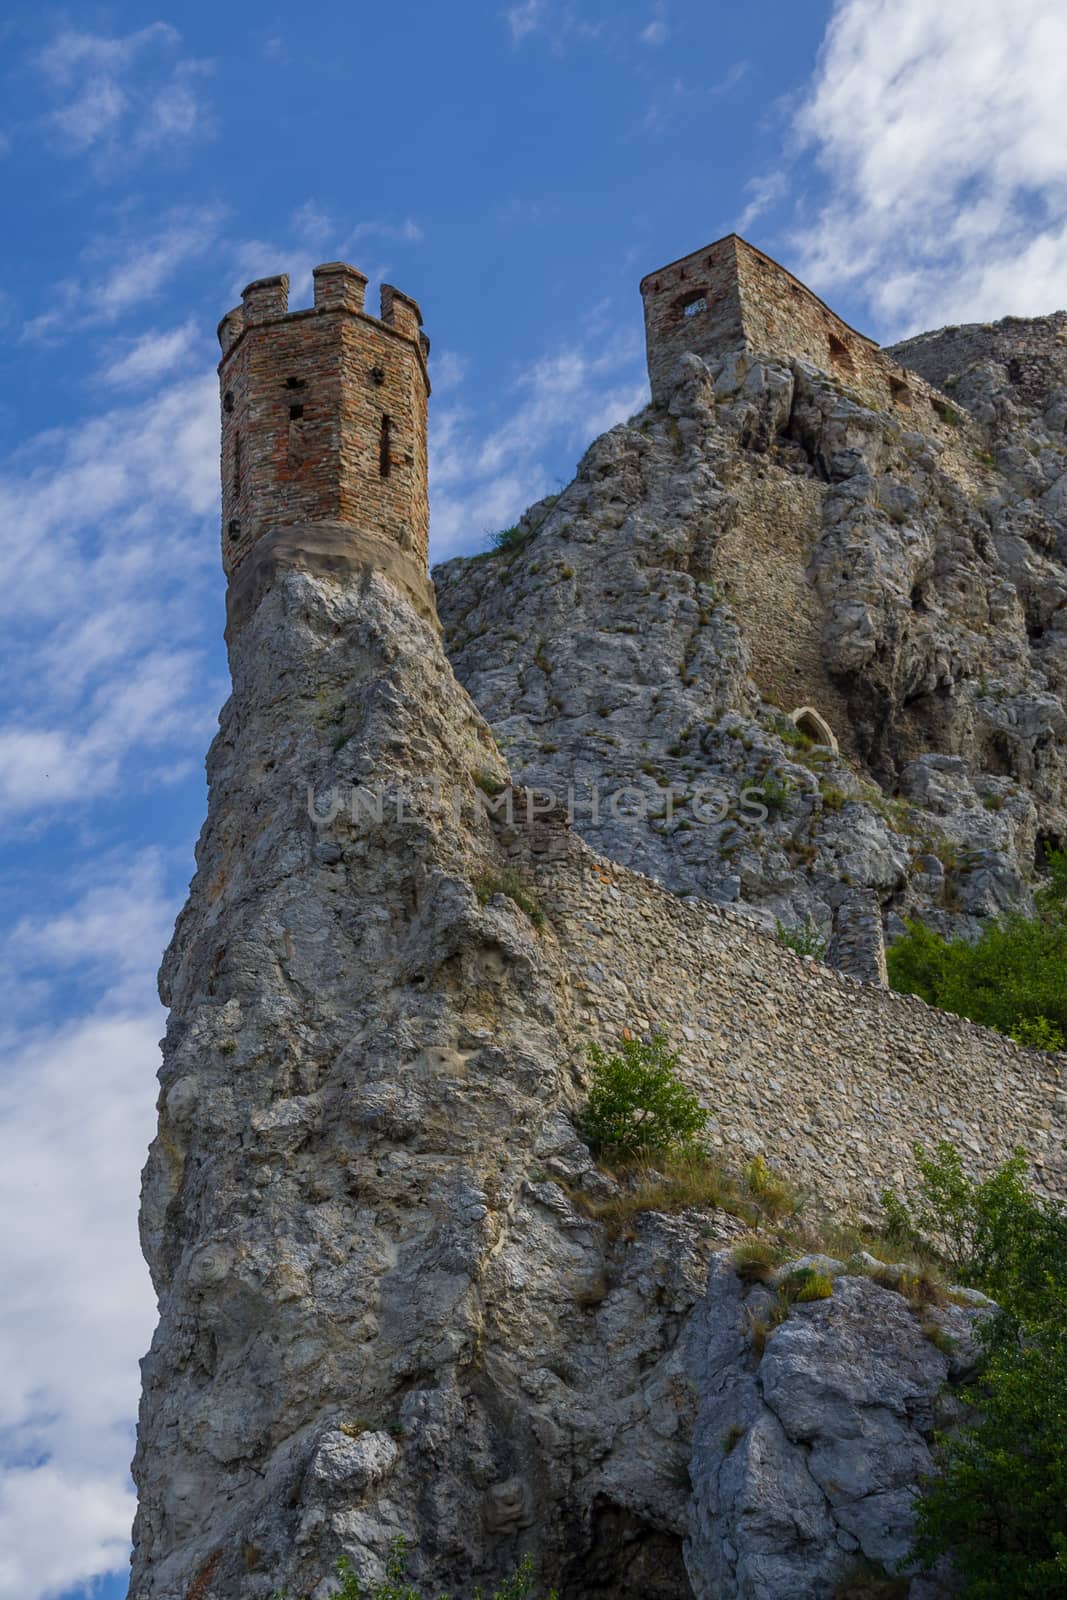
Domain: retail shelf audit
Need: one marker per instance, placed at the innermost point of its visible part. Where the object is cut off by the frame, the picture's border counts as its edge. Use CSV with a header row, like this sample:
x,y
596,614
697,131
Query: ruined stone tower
x,y
323,432
729,295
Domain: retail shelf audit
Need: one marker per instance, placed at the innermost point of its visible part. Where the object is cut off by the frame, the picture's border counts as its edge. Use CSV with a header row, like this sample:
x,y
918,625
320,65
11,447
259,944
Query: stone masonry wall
x,y
729,294
832,1079
323,414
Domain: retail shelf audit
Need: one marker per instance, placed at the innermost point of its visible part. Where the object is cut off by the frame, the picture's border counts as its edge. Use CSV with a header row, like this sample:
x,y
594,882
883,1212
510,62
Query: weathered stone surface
x,y
806,1458
348,1210
384,1307
772,537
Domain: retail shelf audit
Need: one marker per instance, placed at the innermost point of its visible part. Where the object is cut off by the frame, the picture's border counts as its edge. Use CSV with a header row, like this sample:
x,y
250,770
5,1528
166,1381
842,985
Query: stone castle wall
x,y
323,414
730,294
830,1078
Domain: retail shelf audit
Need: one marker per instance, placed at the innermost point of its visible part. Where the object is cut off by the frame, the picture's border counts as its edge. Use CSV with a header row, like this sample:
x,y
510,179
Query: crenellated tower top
x,y
324,415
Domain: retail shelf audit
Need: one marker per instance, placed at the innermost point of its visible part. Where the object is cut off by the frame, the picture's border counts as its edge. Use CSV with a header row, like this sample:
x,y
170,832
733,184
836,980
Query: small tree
x,y
638,1106
998,1507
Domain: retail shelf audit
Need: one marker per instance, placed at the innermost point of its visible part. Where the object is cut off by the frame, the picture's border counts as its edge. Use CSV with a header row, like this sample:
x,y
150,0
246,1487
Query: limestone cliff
x,y
379,1312
387,1305
768,539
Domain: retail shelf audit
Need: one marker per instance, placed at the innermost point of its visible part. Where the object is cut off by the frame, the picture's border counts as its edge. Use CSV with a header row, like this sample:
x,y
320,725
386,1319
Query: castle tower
x,y
730,296
324,430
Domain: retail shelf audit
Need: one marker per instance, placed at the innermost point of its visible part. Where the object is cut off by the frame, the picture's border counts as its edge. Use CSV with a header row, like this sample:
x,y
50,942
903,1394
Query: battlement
x,y
324,415
729,295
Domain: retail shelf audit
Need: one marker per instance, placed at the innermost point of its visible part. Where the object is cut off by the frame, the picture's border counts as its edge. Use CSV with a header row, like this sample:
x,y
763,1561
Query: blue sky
x,y
517,168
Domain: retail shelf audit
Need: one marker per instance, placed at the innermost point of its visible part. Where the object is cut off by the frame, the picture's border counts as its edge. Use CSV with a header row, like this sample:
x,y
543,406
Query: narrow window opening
x,y
295,383
377,376
384,443
295,413
695,307
233,528
227,401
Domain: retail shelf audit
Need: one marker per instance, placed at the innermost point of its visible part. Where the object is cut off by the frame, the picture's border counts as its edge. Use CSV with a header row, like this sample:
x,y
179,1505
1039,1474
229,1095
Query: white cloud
x,y
103,583
558,20
115,96
314,231
655,33
126,271
764,192
730,78
940,134
311,225
525,18
447,370
76,1113
483,481
151,356
406,232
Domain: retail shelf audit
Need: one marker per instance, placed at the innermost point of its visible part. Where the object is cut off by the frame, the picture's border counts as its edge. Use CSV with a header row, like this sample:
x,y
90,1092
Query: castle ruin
x,y
324,432
730,296
388,1303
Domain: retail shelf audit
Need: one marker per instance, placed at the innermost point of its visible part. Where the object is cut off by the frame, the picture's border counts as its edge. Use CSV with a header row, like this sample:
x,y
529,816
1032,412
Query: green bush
x,y
509,538
515,886
775,793
637,1103
1013,978
396,1587
805,940
998,1507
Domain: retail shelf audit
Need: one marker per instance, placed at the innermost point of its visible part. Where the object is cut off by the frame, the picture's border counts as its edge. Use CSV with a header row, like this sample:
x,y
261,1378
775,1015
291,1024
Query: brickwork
x,y
729,295
324,414
830,1078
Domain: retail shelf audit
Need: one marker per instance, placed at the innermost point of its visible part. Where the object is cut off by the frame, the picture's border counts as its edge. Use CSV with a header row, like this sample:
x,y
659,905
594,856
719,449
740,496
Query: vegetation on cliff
x,y
1013,978
998,1508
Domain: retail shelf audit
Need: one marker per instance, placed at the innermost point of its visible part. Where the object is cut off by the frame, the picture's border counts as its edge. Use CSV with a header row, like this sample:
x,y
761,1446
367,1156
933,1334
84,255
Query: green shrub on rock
x,y
1013,978
638,1105
997,1510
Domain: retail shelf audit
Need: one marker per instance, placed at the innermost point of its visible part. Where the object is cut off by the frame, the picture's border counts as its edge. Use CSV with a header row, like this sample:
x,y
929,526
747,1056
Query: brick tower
x,y
323,431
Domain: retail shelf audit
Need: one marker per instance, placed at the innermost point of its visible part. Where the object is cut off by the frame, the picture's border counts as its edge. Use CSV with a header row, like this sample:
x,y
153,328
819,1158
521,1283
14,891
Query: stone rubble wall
x,y
830,1078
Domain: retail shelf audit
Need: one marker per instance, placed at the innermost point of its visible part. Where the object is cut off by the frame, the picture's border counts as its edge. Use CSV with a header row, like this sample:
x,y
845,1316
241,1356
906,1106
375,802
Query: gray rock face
x,y
384,1306
767,542
380,1311
806,1458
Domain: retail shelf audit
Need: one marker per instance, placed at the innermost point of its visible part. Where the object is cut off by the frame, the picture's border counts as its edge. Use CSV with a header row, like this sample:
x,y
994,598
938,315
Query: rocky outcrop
x,y
812,1435
389,1300
380,1312
767,541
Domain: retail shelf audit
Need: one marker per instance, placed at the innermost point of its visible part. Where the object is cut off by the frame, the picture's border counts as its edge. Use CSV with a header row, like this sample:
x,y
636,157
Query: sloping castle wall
x,y
830,1078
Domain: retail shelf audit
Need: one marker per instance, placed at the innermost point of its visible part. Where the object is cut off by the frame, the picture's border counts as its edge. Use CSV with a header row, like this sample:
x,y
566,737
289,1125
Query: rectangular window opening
x,y
384,447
